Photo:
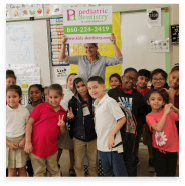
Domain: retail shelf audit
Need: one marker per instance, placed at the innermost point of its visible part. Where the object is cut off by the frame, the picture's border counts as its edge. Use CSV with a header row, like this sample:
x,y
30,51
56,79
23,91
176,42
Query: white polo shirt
x,y
16,120
107,112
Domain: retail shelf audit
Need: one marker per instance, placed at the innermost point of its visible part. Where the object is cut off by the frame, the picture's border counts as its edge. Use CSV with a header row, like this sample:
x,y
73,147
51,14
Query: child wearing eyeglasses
x,y
133,106
158,80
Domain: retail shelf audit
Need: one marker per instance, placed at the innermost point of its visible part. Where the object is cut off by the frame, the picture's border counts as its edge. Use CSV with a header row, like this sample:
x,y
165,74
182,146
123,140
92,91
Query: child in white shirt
x,y
109,119
16,119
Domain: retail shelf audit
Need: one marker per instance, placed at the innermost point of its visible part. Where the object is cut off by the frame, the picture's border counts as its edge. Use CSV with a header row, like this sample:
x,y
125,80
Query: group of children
x,y
84,119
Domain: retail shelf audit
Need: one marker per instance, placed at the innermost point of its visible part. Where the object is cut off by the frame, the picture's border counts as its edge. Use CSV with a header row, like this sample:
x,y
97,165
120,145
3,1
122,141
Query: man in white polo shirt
x,y
109,119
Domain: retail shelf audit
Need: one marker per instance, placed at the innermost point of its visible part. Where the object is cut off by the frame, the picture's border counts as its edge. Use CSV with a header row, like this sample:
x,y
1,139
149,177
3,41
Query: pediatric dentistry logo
x,y
89,14
88,24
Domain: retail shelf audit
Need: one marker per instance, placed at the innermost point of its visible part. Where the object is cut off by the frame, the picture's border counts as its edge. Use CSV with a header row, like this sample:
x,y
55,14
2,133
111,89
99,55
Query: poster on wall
x,y
159,45
61,72
88,24
19,44
154,17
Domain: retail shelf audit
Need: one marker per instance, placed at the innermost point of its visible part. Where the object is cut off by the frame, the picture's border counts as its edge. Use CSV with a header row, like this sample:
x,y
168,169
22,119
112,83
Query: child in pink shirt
x,y
42,130
161,122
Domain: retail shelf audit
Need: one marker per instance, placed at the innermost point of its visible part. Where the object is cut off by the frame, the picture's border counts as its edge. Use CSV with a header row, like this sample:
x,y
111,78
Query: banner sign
x,y
88,24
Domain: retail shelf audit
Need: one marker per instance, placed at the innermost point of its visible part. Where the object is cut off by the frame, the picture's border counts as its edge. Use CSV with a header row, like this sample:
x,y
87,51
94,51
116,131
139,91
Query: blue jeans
x,y
118,167
130,162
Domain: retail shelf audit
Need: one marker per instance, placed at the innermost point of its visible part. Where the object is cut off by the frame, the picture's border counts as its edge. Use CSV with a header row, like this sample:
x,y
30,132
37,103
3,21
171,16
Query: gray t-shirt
x,y
30,108
96,68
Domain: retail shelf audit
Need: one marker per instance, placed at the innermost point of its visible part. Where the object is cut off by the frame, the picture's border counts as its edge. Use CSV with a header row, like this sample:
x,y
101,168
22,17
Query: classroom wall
x,y
174,19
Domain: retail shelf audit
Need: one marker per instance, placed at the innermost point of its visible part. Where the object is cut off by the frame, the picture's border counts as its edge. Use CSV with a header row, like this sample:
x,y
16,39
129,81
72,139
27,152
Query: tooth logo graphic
x,y
70,15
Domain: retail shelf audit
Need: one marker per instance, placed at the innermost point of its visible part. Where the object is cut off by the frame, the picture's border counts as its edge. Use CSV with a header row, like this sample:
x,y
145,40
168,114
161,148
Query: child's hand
x,y
111,141
171,91
22,143
113,38
70,114
168,108
28,147
13,146
174,109
61,122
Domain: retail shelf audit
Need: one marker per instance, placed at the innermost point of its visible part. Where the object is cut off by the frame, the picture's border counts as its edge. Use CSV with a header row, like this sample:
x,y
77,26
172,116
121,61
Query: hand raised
x,y
113,38
64,39
171,91
174,109
70,114
61,122
168,108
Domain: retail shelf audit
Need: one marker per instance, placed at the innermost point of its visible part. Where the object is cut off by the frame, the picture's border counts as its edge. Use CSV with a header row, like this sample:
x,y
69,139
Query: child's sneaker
x,y
137,161
151,165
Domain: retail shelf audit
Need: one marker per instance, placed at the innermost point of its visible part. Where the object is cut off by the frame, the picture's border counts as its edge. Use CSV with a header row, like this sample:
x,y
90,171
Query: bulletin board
x,y
27,43
136,39
105,49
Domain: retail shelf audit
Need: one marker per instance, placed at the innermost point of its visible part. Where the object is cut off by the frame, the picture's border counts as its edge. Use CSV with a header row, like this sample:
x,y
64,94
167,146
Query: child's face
x,y
174,79
81,89
142,81
55,98
70,82
114,82
46,94
158,81
95,89
129,80
13,98
35,94
155,101
10,81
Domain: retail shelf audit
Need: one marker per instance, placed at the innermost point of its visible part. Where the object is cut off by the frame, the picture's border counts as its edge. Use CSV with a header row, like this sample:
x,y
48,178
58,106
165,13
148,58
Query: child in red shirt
x,y
42,130
161,122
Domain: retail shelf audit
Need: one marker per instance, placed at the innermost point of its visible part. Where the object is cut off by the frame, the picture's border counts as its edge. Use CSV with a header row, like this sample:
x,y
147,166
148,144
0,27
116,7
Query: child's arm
x,y
160,125
118,126
29,126
62,125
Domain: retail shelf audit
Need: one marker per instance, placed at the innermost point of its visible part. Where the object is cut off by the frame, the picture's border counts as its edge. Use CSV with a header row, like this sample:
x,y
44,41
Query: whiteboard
x,y
136,37
27,43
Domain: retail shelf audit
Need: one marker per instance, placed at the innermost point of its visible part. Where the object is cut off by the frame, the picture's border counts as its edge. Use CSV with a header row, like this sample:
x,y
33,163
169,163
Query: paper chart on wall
x,y
19,44
159,45
26,73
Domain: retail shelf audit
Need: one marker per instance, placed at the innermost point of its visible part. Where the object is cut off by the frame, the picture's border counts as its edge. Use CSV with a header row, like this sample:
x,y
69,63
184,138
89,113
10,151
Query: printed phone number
x,y
88,29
